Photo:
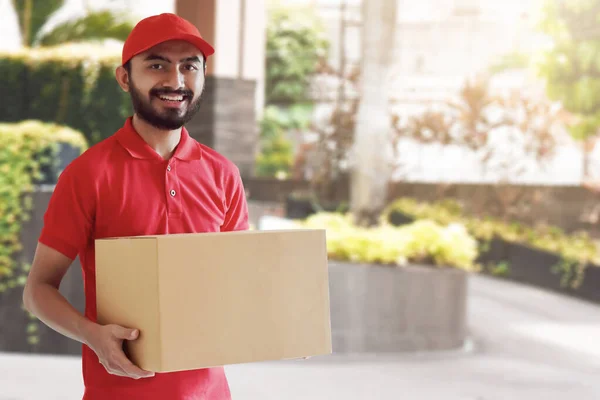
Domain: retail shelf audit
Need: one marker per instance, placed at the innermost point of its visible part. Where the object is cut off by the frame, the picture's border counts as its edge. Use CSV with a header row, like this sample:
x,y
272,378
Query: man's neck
x,y
163,142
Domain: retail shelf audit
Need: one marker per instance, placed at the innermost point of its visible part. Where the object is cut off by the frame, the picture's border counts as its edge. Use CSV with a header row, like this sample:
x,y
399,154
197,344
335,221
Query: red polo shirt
x,y
121,187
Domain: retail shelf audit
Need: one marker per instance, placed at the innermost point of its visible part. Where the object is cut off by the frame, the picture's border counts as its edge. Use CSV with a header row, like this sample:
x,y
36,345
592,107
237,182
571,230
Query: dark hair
x,y
127,67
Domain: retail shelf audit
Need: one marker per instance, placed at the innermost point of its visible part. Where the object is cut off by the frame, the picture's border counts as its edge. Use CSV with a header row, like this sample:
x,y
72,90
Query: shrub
x,y
576,248
425,242
295,44
25,149
276,155
72,85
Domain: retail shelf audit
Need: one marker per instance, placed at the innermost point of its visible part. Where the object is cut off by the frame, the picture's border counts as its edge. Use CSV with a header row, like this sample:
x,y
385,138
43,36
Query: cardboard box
x,y
212,299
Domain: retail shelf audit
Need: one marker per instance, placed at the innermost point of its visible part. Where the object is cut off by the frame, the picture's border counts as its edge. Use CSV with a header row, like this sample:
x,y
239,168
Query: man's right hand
x,y
43,299
107,342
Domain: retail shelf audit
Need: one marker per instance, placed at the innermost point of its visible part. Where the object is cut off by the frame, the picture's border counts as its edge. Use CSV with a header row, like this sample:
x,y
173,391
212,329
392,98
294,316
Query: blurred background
x,y
447,146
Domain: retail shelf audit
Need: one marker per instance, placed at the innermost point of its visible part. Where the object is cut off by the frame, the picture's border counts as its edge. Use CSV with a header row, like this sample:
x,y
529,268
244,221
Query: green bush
x,y
276,155
575,248
423,242
25,148
295,44
72,85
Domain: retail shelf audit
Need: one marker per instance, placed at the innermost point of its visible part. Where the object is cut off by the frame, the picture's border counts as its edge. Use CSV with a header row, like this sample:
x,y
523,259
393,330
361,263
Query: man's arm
x,y
43,299
67,229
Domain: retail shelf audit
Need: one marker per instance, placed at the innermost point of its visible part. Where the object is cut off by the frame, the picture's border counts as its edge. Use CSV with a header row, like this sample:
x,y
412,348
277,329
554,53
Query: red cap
x,y
160,28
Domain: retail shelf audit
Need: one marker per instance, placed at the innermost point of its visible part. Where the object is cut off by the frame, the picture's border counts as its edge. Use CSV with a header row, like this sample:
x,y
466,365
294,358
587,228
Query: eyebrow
x,y
157,57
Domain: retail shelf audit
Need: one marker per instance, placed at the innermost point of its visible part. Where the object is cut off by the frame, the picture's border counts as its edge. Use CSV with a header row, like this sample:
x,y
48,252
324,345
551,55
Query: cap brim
x,y
198,42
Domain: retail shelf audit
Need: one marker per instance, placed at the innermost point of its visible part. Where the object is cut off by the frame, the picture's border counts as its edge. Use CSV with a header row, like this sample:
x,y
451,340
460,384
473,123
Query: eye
x,y
155,66
191,67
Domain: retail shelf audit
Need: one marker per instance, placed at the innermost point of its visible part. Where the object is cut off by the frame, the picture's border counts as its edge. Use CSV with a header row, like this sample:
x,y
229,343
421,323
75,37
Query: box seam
x,y
158,313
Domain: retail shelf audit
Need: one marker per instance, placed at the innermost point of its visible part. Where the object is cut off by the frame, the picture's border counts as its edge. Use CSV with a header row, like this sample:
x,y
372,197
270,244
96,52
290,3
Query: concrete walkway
x,y
526,344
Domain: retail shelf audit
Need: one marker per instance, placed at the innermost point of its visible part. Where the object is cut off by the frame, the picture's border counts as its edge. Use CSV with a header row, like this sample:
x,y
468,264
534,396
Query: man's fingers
x,y
125,333
131,369
114,370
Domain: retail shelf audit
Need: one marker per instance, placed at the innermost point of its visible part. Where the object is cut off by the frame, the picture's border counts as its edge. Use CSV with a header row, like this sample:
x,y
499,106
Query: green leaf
x,y
22,149
33,340
577,247
33,15
32,327
571,65
94,26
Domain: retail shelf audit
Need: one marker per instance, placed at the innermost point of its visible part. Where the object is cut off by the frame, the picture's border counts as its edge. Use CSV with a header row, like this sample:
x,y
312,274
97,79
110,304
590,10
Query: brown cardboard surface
x,y
212,299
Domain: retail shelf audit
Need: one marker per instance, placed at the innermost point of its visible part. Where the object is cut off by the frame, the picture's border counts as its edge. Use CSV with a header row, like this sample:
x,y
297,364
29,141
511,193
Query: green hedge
x,y
577,247
25,149
72,85
425,242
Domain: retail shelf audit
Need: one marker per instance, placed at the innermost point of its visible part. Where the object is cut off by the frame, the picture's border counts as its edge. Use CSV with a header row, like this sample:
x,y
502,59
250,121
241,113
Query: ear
x,y
122,78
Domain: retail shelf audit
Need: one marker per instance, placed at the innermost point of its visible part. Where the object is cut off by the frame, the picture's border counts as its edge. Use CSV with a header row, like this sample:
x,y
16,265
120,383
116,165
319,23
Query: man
x,y
149,178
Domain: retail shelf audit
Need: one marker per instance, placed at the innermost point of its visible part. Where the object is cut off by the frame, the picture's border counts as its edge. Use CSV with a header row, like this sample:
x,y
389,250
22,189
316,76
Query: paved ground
x,y
527,344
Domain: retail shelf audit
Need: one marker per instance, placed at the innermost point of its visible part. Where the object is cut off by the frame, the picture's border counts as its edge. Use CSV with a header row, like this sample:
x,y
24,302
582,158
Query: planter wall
x,y
13,329
536,267
380,309
50,171
528,265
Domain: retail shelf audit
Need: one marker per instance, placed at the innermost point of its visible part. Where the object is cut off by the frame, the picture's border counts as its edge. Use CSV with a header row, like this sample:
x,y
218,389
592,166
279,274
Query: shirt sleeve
x,y
236,217
69,218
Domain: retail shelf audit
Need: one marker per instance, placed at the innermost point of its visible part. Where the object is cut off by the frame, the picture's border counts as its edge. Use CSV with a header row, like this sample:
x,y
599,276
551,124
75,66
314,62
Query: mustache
x,y
168,91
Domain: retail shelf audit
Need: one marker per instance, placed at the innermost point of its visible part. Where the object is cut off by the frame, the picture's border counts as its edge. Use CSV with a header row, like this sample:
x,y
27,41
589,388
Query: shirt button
x,y
169,168
172,193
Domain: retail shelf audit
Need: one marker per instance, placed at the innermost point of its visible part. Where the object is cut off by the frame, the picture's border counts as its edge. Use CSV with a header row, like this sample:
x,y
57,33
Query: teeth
x,y
172,98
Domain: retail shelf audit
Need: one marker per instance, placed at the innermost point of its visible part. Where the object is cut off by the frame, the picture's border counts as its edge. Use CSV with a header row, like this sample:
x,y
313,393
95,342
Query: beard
x,y
169,118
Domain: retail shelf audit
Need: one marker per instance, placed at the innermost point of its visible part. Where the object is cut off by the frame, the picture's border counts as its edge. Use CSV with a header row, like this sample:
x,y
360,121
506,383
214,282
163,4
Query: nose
x,y
174,79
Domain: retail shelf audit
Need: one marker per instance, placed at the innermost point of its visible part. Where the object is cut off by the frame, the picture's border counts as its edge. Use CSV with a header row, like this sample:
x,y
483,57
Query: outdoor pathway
x,y
526,344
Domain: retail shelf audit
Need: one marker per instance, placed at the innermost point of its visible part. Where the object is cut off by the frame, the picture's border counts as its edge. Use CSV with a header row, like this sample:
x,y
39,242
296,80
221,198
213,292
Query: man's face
x,y
166,84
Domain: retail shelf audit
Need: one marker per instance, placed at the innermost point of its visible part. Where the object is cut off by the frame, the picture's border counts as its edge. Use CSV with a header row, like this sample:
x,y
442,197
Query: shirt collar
x,y
187,149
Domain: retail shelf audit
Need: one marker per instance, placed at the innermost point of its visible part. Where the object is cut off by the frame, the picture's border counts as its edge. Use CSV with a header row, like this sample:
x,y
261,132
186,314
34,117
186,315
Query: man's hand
x,y
107,342
43,299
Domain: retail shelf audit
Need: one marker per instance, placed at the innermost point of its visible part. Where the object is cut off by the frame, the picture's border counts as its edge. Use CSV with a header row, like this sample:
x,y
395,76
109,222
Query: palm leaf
x,y
33,14
93,26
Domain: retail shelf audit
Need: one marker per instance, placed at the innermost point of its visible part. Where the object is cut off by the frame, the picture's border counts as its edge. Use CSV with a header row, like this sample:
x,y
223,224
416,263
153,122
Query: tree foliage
x,y
276,158
295,44
33,15
476,116
571,64
94,26
295,51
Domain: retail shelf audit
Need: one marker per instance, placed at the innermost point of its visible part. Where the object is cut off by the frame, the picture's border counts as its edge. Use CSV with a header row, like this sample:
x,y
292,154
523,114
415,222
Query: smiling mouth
x,y
176,98
172,100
